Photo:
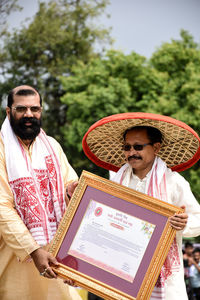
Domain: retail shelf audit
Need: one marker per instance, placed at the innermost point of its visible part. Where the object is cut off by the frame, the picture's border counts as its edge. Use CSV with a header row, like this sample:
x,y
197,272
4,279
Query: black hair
x,y
196,250
22,92
188,244
154,134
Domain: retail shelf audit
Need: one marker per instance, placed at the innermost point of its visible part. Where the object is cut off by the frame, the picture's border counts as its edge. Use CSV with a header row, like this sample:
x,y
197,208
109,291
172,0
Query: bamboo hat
x,y
103,141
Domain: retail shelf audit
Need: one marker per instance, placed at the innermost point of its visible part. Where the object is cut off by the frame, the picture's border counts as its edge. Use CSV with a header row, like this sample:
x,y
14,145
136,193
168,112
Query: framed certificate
x,y
113,240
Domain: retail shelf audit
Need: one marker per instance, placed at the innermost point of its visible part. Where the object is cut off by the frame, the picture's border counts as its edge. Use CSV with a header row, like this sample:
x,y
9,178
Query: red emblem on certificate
x,y
98,211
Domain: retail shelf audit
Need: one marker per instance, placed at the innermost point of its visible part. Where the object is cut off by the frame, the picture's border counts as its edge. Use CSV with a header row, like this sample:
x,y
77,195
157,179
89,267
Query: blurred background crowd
x,y
191,260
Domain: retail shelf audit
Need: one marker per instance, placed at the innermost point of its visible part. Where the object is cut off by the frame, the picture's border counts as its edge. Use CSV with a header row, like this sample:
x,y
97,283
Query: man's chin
x,y
29,134
134,162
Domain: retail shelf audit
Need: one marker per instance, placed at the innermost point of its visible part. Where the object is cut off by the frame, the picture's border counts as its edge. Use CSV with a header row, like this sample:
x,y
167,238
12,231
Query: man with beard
x,y
34,175
147,150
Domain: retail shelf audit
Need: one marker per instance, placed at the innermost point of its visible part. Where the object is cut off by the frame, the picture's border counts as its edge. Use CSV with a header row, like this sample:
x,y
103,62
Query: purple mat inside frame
x,y
130,288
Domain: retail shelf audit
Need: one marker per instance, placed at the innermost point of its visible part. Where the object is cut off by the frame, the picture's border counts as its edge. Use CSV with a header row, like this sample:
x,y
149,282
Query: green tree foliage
x,y
180,61
180,98
61,33
97,89
166,84
6,8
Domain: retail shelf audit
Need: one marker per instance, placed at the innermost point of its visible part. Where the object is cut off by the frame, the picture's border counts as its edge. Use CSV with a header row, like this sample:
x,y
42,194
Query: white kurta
x,y
179,194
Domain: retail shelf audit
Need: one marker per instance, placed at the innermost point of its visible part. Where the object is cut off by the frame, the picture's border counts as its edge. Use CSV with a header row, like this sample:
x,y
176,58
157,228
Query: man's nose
x,y
132,150
28,112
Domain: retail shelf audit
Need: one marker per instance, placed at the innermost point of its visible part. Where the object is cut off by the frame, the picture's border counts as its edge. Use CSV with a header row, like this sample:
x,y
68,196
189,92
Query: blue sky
x,y
139,25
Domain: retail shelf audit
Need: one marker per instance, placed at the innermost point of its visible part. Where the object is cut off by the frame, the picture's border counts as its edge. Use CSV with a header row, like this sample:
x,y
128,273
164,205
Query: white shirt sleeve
x,y
181,195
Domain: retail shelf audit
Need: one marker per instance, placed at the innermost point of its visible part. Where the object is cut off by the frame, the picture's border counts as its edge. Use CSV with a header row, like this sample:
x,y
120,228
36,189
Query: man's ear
x,y
156,147
8,112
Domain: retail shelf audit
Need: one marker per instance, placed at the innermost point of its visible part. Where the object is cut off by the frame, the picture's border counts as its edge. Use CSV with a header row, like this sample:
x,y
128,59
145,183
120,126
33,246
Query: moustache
x,y
32,120
134,157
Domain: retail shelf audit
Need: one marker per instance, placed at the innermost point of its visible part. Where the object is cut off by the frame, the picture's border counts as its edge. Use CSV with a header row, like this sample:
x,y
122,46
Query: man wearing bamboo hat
x,y
146,150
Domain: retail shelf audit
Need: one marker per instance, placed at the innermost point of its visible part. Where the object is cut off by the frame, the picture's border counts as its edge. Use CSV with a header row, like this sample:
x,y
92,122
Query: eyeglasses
x,y
23,109
137,147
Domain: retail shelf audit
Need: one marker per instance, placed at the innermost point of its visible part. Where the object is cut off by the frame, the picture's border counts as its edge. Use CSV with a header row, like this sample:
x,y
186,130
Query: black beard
x,y
23,131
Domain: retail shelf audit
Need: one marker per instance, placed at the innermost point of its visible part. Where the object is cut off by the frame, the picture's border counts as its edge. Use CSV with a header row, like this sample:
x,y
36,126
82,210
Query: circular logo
x,y
98,211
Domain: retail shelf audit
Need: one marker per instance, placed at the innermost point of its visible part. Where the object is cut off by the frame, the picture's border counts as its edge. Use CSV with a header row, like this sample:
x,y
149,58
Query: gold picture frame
x,y
139,207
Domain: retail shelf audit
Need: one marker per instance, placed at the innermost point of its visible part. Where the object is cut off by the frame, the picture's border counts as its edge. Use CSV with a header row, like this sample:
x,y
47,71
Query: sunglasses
x,y
137,147
23,109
